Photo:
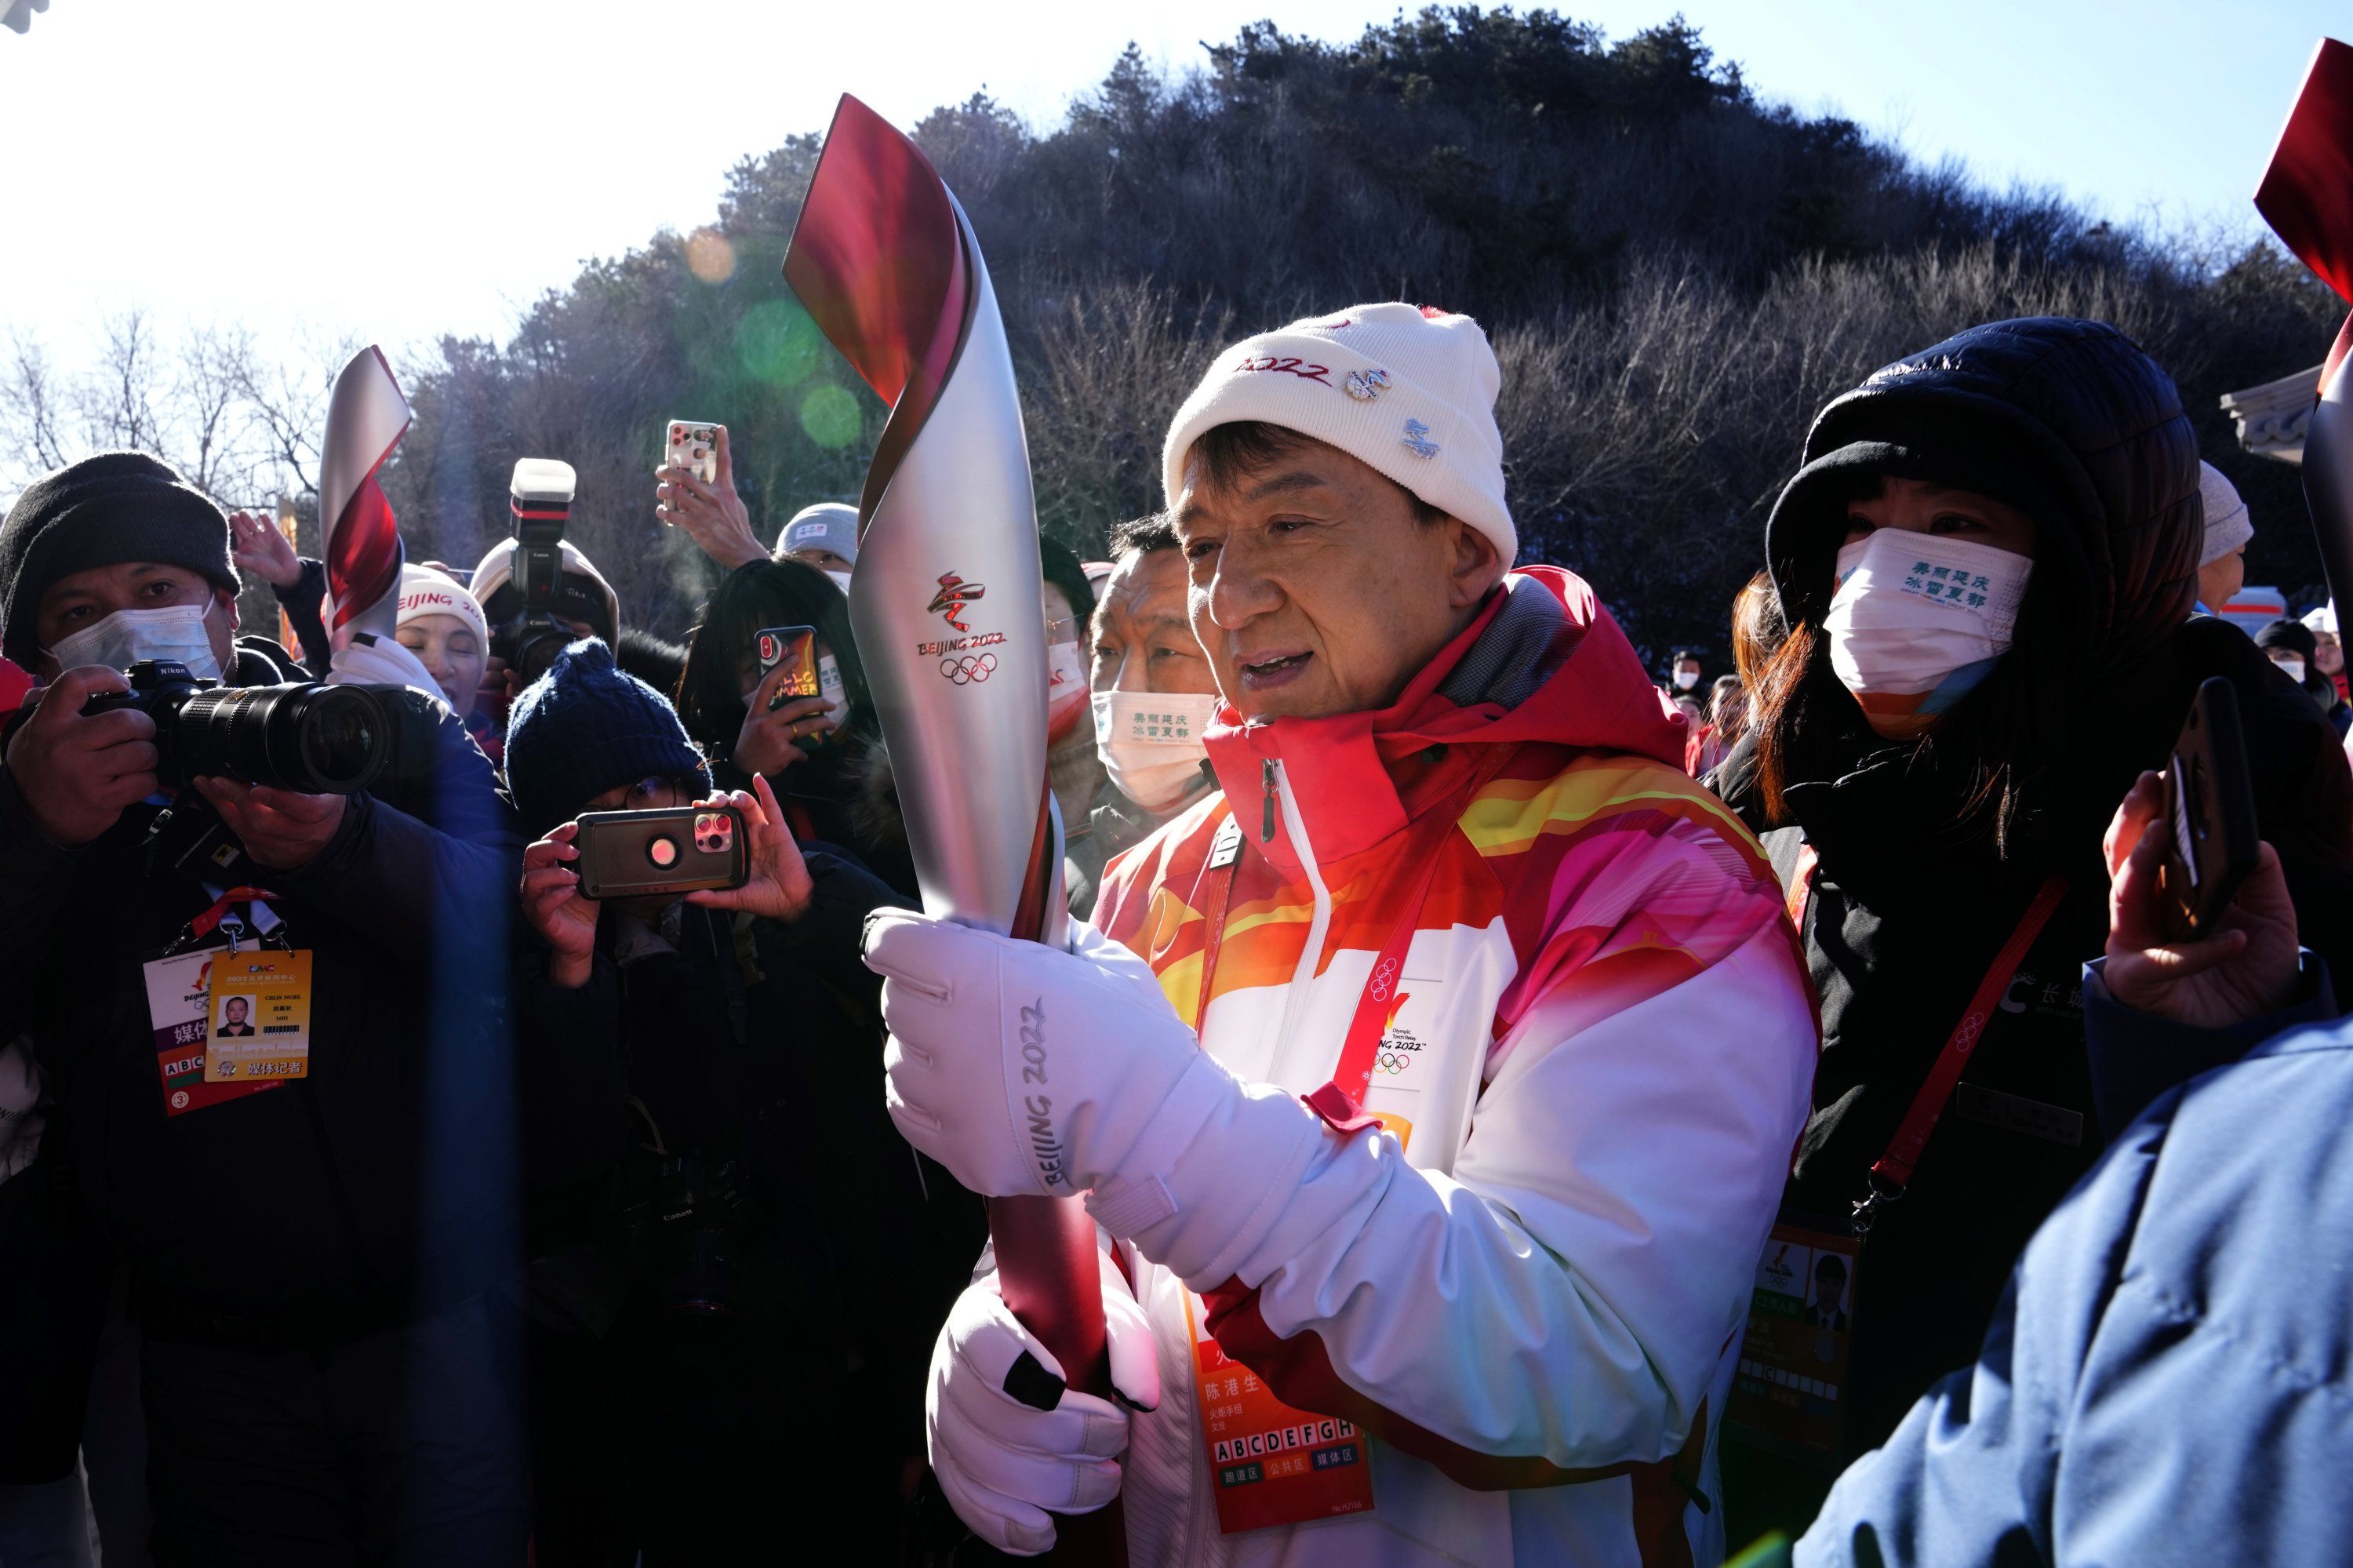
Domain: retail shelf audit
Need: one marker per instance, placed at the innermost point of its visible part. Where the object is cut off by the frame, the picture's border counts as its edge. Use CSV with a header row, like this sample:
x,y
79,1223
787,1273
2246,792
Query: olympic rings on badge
x,y
1392,1062
971,670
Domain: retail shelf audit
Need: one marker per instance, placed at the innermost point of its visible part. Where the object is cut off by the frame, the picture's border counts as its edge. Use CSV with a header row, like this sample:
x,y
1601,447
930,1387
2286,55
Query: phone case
x,y
695,448
677,848
2211,840
794,646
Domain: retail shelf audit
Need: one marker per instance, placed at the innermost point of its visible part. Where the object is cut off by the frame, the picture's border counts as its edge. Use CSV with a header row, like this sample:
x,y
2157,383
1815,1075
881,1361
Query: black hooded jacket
x,y
1913,896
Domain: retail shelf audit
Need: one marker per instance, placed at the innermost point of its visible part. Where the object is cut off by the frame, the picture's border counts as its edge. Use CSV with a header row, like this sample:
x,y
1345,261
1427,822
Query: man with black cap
x,y
319,1375
757,1247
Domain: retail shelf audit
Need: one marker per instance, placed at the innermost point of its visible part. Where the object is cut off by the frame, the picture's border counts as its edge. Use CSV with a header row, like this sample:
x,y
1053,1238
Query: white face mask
x,y
1151,744
829,686
1917,621
1686,679
121,640
840,580
2295,667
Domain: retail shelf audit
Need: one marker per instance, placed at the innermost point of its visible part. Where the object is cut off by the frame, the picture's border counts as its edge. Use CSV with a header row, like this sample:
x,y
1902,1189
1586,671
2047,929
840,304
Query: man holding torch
x,y
1435,1082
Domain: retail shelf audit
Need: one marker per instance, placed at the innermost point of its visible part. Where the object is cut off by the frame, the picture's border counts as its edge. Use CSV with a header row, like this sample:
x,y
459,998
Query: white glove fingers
x,y
1007,1523
984,1334
1135,1357
1062,1483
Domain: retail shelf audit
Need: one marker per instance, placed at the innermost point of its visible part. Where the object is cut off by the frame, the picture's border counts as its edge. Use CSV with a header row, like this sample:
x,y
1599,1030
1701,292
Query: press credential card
x,y
179,1011
260,1016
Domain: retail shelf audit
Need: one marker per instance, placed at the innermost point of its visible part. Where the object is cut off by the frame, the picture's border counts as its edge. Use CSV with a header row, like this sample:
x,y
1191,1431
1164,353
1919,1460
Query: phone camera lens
x,y
662,851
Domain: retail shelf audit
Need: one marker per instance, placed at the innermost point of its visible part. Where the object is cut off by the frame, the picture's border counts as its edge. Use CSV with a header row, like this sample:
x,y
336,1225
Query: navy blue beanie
x,y
585,727
101,511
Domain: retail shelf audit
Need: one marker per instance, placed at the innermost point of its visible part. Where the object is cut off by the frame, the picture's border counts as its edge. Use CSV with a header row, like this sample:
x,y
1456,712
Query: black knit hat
x,y
101,511
2292,635
585,727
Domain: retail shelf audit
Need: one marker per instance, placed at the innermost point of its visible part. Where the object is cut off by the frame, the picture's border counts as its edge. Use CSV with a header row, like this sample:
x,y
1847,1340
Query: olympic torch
x,y
366,417
2307,195
948,607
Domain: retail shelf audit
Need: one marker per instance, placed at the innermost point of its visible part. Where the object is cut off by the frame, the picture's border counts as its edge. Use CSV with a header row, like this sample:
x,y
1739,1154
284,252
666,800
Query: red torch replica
x,y
948,607
2307,195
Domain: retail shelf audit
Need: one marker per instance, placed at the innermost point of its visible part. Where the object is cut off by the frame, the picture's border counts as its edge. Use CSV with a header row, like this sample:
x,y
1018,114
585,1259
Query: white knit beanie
x,y
423,591
1406,389
2227,527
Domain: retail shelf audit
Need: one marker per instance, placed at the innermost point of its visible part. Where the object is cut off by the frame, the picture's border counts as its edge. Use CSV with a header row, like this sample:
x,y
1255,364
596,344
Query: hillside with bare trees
x,y
1675,272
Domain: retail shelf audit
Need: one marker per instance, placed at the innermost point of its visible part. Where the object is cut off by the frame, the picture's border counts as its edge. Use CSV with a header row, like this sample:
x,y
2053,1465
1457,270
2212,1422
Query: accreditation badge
x,y
260,1017
1789,1392
1269,1464
179,1009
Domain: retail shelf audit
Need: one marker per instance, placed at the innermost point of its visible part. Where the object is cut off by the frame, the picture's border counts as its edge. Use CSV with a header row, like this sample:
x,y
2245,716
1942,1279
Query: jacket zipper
x,y
1295,1005
1266,820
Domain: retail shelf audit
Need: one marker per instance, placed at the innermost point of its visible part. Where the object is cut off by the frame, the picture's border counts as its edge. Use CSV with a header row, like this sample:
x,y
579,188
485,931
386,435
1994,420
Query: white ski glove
x,y
1008,1438
1021,1068
381,661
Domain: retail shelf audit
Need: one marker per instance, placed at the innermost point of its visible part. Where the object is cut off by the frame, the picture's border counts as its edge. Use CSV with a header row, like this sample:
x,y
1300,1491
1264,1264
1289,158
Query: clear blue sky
x,y
403,170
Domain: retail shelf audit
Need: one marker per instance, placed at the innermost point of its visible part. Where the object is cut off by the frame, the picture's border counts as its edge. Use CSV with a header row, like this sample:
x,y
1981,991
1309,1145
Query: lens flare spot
x,y
776,343
709,256
829,416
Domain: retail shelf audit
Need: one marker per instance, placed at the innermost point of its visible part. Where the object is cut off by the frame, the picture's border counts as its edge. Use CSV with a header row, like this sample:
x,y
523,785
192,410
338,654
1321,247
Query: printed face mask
x,y
829,686
840,580
1066,690
1917,621
1151,744
121,640
2295,667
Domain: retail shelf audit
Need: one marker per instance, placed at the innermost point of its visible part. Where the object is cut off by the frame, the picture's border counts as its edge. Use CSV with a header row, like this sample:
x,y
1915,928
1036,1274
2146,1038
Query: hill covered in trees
x,y
1676,273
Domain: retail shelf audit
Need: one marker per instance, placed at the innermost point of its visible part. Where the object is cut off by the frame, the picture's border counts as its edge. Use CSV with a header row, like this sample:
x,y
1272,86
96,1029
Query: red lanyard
x,y
1340,1101
204,923
1893,1173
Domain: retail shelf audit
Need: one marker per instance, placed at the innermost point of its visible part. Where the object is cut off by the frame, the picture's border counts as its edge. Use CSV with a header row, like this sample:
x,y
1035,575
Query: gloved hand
x,y
1021,1068
1007,1439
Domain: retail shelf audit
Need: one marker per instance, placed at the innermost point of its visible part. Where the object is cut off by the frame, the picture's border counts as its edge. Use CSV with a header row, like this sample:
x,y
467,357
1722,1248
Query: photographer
x,y
760,1264
584,605
318,1371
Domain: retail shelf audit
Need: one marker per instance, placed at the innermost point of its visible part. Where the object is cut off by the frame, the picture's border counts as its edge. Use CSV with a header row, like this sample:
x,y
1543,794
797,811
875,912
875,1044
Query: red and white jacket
x,y
1527,1285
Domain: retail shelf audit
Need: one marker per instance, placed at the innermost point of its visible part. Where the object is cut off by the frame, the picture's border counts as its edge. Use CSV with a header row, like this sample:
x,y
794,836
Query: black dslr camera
x,y
311,739
540,496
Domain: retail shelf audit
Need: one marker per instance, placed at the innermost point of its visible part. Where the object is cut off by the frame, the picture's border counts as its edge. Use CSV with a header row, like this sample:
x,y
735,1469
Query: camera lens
x,y
314,740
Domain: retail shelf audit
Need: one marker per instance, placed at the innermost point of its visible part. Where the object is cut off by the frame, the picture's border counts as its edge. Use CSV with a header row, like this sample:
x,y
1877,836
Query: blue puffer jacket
x,y
2170,1379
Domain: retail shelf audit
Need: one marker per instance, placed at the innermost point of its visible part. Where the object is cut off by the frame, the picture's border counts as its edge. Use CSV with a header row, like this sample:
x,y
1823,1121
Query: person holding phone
x,y
818,752
1986,566
727,1040
2155,1386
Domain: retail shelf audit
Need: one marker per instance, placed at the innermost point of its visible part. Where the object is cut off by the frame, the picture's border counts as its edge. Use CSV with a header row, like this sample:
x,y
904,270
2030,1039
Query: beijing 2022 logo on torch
x,y
959,665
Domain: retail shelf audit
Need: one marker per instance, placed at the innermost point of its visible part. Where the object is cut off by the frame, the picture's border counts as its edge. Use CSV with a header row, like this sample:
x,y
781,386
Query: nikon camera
x,y
311,739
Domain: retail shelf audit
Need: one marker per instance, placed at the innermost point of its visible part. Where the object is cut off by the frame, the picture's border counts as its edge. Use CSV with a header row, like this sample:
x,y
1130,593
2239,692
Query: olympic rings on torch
x,y
969,671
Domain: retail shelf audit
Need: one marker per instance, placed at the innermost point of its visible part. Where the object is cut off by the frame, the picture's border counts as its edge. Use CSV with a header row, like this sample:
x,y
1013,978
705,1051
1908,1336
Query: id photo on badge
x,y
233,1018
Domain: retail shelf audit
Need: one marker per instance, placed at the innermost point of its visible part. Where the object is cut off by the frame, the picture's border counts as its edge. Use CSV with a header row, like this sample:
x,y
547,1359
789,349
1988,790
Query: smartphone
x,y
695,448
794,647
2209,813
676,849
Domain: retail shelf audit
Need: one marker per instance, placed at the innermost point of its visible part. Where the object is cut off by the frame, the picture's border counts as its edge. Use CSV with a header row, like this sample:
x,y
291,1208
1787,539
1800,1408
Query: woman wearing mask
x,y
1988,542
2294,647
812,750
1154,695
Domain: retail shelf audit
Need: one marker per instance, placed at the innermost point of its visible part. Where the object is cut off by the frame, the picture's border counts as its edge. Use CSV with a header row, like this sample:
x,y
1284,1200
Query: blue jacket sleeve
x,y
2136,1057
1971,1477
431,851
303,604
